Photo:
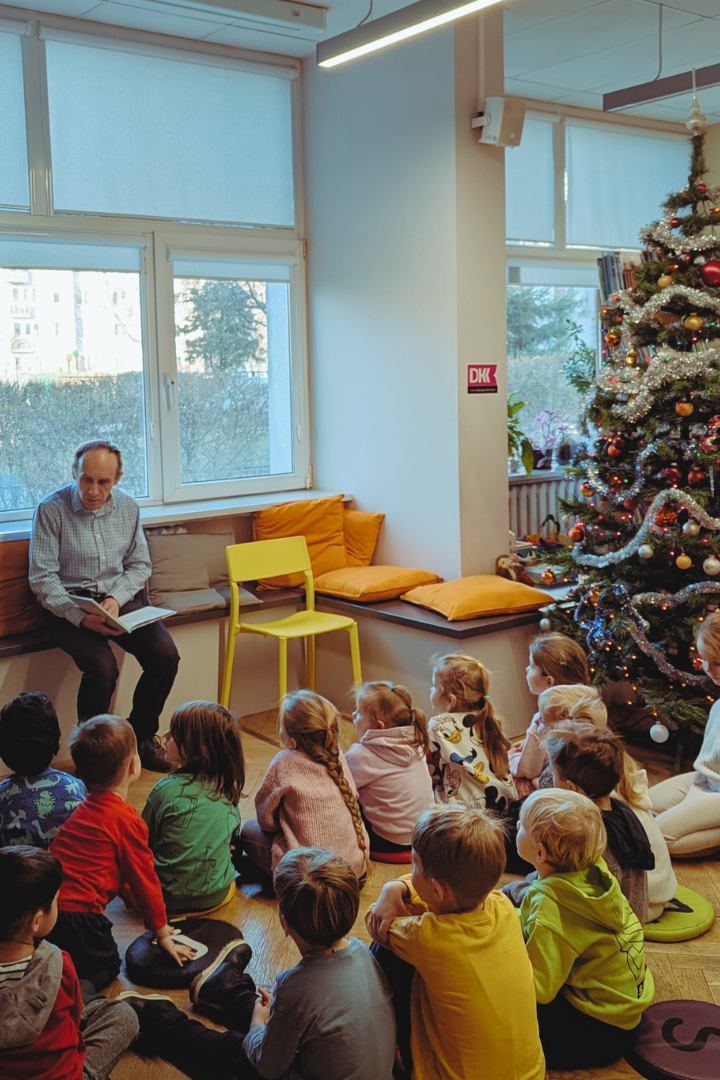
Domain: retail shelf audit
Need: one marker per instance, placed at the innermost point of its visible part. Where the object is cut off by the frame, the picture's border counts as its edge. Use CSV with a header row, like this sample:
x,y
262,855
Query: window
x,y
14,177
172,321
585,200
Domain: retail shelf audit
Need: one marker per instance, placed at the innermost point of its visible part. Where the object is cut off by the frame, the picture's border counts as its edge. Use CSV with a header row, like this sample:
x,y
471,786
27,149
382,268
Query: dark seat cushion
x,y
677,1040
149,965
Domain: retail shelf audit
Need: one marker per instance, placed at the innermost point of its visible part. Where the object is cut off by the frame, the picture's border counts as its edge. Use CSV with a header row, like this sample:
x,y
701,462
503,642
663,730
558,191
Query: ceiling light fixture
x,y
399,25
309,16
661,88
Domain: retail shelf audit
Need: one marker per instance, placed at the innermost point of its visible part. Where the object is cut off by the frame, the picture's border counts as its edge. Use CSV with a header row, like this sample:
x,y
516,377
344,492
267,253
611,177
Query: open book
x,y
126,623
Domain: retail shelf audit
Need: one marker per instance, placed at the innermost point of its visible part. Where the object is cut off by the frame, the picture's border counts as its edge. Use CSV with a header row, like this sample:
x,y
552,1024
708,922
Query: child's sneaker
x,y
138,1001
210,989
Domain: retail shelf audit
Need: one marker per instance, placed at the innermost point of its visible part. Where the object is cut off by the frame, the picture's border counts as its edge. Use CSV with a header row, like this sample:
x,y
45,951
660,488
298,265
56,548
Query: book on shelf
x,y
126,623
616,271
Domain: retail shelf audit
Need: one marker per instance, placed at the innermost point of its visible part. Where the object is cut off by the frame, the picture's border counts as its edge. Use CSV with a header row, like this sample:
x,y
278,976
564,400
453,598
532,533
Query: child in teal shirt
x,y
193,812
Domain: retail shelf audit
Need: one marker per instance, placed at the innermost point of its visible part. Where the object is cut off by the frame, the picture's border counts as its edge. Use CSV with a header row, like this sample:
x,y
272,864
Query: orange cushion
x,y
368,584
19,610
361,530
320,521
476,596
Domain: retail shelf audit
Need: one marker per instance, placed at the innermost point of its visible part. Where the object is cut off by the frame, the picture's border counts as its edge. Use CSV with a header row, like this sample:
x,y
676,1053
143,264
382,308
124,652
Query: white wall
x,y
397,305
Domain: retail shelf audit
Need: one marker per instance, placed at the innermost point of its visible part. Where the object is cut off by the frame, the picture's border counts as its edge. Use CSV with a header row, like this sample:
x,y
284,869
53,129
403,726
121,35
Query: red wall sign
x,y
481,379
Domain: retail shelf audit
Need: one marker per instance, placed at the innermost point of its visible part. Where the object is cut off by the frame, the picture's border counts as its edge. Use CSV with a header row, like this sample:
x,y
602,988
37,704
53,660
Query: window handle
x,y
169,383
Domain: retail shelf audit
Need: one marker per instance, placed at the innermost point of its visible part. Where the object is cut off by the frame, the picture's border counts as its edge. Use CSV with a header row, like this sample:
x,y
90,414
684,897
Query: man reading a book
x,y
87,539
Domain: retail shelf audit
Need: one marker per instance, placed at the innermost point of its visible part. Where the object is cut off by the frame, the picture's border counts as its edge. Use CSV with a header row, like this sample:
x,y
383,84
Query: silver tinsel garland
x,y
666,366
682,500
637,625
635,488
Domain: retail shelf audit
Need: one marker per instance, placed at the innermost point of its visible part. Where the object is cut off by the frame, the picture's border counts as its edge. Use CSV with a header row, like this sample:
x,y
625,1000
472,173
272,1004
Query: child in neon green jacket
x,y
585,944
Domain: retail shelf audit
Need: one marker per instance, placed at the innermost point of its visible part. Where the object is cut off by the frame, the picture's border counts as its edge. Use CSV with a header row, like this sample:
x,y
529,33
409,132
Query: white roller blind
x,y
14,182
617,181
196,266
160,136
530,185
58,255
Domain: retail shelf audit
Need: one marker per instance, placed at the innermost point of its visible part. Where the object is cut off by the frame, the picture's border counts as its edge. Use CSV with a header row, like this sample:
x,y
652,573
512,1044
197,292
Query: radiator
x,y
533,498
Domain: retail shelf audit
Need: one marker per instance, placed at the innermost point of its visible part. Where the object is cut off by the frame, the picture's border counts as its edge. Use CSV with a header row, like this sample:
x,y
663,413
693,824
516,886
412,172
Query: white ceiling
x,y
569,51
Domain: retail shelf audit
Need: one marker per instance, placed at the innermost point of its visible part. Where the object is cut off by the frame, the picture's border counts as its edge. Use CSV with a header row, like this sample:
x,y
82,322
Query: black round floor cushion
x,y
677,1040
149,965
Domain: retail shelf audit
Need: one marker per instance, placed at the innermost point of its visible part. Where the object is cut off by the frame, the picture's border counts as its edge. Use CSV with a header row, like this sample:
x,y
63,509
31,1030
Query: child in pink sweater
x,y
308,798
389,768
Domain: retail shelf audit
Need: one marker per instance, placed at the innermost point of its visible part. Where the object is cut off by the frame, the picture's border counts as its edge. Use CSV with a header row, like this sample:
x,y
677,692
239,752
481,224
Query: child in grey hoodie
x,y
45,1031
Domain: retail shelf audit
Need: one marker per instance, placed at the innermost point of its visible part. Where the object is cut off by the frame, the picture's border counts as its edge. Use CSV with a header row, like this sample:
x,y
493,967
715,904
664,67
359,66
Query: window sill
x,y
179,513
536,476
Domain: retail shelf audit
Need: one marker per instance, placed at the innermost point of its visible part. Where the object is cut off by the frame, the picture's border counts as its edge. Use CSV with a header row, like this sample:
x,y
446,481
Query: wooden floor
x,y
686,970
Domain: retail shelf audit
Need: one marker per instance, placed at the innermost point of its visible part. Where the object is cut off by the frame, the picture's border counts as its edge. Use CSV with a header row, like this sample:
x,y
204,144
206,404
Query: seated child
x,y
555,660
585,944
45,1031
192,814
591,761
103,849
468,755
687,807
330,1017
579,703
633,789
35,800
308,797
388,765
458,944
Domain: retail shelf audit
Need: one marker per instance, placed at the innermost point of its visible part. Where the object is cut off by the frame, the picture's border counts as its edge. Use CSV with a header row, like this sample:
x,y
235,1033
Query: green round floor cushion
x,y
687,916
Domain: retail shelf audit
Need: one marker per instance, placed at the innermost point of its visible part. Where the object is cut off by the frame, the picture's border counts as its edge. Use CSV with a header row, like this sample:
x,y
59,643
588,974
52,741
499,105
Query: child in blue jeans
x,y
329,1018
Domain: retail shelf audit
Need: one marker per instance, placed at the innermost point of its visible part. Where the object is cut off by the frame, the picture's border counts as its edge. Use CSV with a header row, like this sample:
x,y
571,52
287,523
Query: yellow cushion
x,y
370,584
476,596
320,521
361,535
19,610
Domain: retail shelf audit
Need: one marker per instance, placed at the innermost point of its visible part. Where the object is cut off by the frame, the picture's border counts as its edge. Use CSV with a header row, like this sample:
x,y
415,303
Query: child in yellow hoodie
x,y
585,944
458,944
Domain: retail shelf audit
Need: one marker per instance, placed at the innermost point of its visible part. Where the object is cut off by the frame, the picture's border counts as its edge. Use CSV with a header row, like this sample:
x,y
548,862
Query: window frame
x,y
157,235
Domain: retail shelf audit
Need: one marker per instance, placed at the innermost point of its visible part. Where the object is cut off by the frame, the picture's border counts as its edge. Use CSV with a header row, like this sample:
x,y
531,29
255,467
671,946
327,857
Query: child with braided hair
x,y
388,766
308,797
468,754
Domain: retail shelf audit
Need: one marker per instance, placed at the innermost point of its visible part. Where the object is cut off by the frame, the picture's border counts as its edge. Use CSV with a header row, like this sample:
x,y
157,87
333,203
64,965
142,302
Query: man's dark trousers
x,y
151,646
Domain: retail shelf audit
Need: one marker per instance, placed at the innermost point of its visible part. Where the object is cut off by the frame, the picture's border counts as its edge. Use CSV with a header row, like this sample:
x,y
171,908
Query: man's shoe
x,y
210,989
152,755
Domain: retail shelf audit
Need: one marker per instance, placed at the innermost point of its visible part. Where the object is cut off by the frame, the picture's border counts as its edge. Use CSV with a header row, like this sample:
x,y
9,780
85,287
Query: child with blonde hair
x,y
578,703
468,755
192,814
585,944
389,768
308,797
454,956
687,807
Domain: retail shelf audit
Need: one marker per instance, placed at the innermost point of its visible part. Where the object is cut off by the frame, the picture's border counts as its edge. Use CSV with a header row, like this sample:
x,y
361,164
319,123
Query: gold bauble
x,y
613,338
631,356
683,562
664,281
693,322
684,408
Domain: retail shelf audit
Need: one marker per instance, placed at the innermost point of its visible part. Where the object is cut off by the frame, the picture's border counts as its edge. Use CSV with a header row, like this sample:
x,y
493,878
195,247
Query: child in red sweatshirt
x,y
45,1033
103,849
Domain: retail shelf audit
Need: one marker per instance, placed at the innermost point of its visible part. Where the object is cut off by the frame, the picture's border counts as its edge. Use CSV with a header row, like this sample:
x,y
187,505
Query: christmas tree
x,y
646,543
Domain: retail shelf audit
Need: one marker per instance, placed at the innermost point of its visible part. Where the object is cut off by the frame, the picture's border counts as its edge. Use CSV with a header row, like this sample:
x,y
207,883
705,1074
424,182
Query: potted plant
x,y
519,446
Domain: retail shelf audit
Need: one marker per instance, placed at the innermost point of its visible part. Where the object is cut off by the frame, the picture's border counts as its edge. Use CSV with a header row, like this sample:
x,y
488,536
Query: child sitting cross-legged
x,y
45,1033
193,813
388,766
454,956
585,944
308,797
35,799
329,1018
589,760
103,849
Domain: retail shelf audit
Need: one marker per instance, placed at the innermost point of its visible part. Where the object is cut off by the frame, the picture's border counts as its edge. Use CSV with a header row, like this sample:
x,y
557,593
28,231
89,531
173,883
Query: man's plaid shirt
x,y
104,551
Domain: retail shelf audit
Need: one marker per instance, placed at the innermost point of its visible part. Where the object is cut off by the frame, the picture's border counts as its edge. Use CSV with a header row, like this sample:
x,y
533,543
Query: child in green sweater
x,y
193,812
585,945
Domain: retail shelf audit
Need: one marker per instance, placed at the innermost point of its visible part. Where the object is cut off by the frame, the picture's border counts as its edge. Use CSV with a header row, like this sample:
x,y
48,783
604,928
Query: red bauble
x,y
674,222
695,477
587,490
710,273
614,451
672,473
576,534
702,188
630,504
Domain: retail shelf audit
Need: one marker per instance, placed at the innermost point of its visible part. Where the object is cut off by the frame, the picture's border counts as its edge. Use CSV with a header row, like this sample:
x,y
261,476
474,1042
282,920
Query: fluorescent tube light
x,y
399,25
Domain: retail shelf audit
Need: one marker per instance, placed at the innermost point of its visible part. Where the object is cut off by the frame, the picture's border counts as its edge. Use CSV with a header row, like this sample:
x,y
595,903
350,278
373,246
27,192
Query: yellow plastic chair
x,y
271,558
